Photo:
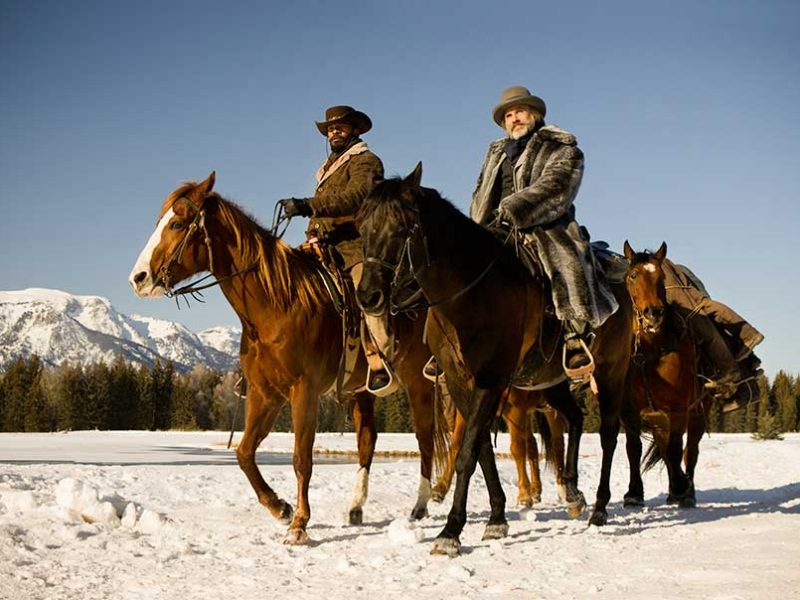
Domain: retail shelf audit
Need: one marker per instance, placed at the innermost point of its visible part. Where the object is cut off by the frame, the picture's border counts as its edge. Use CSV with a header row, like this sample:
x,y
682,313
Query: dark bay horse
x,y
485,313
663,386
292,339
516,408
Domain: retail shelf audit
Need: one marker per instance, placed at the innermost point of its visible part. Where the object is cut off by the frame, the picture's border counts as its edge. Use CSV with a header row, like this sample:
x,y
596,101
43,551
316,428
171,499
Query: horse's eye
x,y
633,275
176,225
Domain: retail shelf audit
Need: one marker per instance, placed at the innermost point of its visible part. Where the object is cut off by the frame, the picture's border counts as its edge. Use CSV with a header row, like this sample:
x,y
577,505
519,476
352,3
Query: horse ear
x,y
661,253
415,177
206,186
629,253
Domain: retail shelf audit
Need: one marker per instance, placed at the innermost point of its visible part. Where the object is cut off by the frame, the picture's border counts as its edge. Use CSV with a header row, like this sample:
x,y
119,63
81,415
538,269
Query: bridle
x,y
405,274
198,224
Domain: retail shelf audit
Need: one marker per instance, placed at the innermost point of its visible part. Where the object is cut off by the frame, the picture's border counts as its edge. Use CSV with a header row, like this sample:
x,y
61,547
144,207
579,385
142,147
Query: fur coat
x,y
547,176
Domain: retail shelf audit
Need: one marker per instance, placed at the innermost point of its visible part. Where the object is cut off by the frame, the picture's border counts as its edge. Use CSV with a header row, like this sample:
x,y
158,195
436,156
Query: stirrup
x,y
579,374
432,370
391,386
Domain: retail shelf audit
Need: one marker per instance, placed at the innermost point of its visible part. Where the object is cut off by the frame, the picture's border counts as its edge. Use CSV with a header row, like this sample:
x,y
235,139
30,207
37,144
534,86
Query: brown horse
x,y
516,407
662,386
485,313
292,339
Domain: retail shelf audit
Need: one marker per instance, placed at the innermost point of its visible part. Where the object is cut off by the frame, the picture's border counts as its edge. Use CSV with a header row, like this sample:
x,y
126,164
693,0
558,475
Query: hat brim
x,y
536,103
356,118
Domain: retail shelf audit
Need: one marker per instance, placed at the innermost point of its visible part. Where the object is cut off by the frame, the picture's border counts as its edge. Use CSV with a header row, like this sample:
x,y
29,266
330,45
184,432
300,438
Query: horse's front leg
x,y
609,430
482,408
305,403
634,497
261,413
366,434
446,478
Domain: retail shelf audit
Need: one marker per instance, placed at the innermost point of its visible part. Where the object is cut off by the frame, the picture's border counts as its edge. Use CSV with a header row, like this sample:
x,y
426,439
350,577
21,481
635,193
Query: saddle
x,y
339,286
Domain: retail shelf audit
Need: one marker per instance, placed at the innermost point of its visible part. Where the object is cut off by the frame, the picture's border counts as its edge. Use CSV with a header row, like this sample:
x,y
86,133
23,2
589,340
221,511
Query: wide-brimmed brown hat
x,y
345,114
514,96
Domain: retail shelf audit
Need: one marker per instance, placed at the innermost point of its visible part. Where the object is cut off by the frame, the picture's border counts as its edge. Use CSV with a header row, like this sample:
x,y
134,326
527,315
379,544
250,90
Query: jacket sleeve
x,y
549,197
364,171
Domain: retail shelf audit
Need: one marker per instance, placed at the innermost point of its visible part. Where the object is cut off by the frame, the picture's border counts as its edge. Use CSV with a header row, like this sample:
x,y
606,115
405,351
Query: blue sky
x,y
687,113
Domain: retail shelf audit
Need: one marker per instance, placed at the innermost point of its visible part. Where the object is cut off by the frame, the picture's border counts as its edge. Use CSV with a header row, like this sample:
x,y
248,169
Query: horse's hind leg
x,y
261,414
680,490
497,527
560,398
366,434
421,402
524,446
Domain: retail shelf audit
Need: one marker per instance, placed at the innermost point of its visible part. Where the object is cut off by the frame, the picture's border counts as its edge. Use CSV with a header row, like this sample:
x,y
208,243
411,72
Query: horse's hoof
x,y
296,537
525,502
437,496
598,518
576,507
673,499
632,501
419,512
446,547
495,531
687,502
286,514
356,516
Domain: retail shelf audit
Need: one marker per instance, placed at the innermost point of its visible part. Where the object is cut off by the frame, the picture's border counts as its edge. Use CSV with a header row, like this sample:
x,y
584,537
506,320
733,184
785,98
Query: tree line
x,y
120,396
38,397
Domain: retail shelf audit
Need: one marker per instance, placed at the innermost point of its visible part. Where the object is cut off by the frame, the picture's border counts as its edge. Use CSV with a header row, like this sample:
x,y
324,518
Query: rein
x,y
197,224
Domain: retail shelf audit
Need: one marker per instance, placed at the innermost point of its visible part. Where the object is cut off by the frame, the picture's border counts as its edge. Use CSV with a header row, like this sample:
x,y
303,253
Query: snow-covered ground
x,y
169,515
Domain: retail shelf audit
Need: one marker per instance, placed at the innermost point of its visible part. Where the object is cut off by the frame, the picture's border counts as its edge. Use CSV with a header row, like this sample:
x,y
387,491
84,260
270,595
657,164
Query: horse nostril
x,y
140,277
375,300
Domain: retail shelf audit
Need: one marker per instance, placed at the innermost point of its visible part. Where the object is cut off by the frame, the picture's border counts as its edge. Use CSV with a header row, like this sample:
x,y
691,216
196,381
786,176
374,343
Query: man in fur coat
x,y
530,179
343,181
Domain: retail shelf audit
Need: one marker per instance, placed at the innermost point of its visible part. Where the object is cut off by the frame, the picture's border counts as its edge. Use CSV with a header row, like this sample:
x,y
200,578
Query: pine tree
x,y
162,378
36,412
124,396
783,388
18,382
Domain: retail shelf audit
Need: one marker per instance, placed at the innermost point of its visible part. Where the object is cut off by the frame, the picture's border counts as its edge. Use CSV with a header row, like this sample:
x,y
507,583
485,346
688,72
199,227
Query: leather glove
x,y
296,207
513,210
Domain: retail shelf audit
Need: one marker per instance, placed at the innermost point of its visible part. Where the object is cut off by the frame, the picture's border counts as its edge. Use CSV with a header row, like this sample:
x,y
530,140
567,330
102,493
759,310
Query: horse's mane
x,y
384,207
289,276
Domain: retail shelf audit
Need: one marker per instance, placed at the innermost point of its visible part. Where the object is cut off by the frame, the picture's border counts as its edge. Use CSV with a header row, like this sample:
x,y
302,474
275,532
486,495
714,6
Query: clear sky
x,y
687,113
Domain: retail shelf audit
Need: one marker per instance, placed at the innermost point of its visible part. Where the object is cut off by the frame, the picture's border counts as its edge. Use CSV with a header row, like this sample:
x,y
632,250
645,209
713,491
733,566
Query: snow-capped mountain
x,y
62,327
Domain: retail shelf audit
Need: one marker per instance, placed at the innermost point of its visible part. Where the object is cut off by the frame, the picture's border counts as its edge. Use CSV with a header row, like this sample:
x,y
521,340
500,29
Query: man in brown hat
x,y
529,179
343,181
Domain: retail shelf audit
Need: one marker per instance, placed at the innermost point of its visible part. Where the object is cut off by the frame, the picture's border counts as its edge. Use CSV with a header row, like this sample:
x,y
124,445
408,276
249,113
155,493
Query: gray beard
x,y
522,133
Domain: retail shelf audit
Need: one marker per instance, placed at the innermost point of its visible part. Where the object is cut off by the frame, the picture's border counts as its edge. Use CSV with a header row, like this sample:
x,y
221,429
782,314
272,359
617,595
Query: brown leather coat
x,y
343,181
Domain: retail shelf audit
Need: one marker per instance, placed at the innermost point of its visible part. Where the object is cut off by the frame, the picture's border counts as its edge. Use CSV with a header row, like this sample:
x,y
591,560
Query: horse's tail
x,y
546,437
441,434
652,457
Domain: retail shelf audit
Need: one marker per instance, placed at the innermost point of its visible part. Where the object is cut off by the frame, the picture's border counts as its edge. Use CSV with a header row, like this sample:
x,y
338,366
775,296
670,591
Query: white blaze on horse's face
x,y
141,276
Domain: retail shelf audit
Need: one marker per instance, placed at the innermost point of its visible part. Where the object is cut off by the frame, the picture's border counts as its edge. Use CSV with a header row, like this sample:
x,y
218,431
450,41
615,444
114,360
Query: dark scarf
x,y
349,143
514,148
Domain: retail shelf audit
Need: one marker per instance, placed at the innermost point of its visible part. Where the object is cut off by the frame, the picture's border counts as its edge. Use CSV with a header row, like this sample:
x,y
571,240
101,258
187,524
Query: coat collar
x,y
326,170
